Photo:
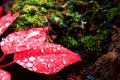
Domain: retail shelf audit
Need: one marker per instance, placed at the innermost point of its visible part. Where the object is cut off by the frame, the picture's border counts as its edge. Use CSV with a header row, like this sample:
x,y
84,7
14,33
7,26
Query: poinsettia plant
x,y
31,50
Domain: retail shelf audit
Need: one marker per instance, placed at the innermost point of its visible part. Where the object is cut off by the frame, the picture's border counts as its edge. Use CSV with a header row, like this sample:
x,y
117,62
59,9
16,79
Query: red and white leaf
x,y
4,75
7,20
48,58
23,40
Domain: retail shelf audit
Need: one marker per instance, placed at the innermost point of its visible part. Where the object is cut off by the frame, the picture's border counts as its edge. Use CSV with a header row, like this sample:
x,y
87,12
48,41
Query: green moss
x,y
33,13
69,42
95,44
67,18
36,13
113,12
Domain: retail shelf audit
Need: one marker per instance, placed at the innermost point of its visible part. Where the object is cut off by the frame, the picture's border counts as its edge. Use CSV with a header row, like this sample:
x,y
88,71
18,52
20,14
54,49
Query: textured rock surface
x,y
106,67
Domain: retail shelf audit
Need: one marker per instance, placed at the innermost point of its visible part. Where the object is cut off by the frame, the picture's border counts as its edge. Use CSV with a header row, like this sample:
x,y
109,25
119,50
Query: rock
x,y
107,67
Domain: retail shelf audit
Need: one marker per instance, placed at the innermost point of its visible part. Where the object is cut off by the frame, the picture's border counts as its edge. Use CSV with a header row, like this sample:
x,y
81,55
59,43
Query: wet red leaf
x,y
7,20
48,58
4,75
23,40
1,11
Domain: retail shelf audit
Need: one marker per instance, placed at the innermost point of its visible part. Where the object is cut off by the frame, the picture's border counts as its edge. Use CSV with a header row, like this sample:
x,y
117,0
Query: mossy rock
x,y
66,19
38,13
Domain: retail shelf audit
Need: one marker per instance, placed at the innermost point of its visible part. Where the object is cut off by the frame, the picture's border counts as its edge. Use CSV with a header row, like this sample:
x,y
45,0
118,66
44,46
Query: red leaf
x,y
49,58
6,21
23,40
4,75
1,11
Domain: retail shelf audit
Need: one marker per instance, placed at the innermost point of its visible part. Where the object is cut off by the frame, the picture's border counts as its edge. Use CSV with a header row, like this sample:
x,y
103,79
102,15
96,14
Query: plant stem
x,y
2,57
7,64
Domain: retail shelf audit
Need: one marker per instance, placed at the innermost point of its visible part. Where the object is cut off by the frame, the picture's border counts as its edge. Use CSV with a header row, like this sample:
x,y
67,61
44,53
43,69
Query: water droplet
x,y
6,40
54,46
17,49
44,63
29,64
32,58
11,39
33,33
63,54
51,60
54,50
41,60
34,68
2,43
64,62
18,61
21,63
48,66
18,40
34,48
42,50
1,29
25,60
47,46
30,69
27,46
54,70
58,48
50,45
7,24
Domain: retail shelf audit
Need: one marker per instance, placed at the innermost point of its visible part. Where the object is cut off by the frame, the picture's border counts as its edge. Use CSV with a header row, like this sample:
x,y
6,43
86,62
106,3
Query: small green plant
x,y
94,44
